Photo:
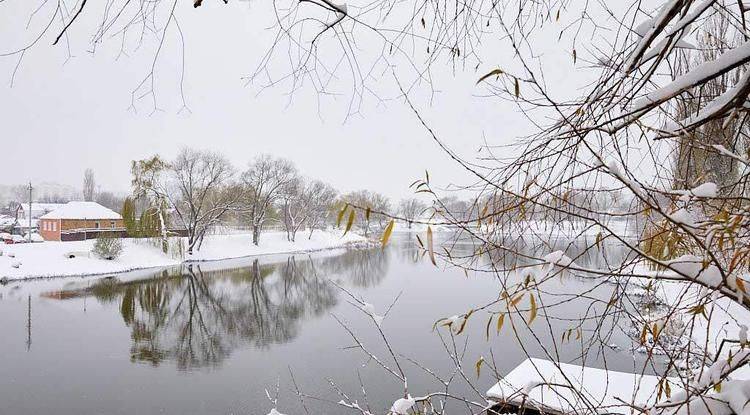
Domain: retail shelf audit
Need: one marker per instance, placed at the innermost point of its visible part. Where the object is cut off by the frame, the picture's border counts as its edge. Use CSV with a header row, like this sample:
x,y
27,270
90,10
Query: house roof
x,y
82,210
39,209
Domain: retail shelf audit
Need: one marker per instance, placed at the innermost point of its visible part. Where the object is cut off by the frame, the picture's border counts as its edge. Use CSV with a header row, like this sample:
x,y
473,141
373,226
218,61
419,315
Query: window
x,y
54,226
112,224
96,225
44,226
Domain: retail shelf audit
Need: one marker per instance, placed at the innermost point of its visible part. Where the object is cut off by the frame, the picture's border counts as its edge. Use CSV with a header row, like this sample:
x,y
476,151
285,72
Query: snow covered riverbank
x,y
51,259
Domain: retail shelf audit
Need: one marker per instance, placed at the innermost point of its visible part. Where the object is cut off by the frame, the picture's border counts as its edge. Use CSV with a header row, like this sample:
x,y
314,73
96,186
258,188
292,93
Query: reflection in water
x,y
197,318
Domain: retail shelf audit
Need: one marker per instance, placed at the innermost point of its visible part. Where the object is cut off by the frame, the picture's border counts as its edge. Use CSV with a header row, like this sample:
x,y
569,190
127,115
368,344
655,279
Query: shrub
x,y
107,247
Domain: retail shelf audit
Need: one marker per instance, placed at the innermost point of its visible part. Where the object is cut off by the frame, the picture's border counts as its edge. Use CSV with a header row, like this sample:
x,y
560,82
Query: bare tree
x,y
294,212
109,200
306,203
201,191
373,206
265,179
89,185
411,209
319,199
617,133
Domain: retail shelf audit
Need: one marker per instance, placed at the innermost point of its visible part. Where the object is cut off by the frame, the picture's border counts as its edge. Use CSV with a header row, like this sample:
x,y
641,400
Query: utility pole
x,y
29,231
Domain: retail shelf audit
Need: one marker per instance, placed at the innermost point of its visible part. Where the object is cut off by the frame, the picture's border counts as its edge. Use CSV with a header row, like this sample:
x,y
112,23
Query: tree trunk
x,y
256,234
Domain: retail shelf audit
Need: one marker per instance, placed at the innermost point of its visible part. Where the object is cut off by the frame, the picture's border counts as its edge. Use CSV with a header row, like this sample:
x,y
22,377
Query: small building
x,y
37,209
77,221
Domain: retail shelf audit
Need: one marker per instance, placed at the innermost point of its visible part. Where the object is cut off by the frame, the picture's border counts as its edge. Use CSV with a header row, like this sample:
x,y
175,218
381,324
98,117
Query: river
x,y
214,338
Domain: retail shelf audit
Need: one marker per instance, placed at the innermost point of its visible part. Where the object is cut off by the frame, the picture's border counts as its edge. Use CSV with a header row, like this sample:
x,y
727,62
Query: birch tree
x,y
294,212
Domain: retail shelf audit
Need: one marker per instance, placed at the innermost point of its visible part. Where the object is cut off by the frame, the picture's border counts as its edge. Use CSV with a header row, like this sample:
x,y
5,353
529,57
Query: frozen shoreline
x,y
49,259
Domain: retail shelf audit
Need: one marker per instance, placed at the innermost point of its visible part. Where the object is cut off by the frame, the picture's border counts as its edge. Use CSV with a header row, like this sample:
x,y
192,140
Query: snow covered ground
x,y
51,259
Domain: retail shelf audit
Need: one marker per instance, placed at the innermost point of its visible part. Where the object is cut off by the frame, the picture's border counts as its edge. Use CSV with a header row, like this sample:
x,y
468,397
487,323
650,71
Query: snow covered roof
x,y
82,210
529,385
39,209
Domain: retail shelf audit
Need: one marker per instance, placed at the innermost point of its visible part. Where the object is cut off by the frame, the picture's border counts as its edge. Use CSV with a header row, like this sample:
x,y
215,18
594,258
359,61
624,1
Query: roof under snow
x,y
82,210
537,383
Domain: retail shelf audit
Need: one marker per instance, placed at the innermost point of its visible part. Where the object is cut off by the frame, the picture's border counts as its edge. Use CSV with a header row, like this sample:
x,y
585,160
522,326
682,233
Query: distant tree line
x,y
199,191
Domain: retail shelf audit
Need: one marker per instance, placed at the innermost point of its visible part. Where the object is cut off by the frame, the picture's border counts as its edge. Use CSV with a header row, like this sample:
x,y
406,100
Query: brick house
x,y
77,221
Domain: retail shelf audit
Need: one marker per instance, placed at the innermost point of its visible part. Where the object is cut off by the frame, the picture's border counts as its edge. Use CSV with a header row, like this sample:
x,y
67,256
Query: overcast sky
x,y
61,117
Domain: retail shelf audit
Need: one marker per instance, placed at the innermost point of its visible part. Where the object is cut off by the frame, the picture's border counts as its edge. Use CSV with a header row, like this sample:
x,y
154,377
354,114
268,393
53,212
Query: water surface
x,y
212,338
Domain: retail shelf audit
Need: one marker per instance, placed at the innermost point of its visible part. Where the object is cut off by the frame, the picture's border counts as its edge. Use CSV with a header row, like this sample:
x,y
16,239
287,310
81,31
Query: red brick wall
x,y
49,229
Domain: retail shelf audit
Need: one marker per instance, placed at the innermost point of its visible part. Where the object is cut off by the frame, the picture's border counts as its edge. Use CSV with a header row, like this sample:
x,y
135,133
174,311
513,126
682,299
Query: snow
x,y
48,259
82,210
402,406
38,209
558,258
643,28
370,309
692,267
530,382
51,259
682,216
718,105
274,412
706,70
707,189
241,245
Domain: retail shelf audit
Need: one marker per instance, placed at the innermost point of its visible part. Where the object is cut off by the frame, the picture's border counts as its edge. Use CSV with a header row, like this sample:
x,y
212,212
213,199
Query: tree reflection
x,y
197,318
361,268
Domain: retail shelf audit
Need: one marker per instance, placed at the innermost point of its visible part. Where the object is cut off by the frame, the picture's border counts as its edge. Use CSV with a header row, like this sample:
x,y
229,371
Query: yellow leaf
x,y
516,300
340,216
367,214
500,321
518,88
430,246
387,234
464,321
487,329
532,312
349,221
489,74
741,285
479,365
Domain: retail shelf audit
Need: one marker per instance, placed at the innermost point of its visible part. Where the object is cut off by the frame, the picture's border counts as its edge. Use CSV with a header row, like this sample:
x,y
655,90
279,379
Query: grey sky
x,y
62,117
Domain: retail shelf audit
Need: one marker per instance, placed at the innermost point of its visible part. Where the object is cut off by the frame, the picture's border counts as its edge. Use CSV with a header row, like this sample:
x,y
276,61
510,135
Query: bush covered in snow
x,y
107,247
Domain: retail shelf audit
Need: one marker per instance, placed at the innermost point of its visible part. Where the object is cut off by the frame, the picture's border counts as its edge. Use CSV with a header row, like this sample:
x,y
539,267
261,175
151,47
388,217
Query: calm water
x,y
211,339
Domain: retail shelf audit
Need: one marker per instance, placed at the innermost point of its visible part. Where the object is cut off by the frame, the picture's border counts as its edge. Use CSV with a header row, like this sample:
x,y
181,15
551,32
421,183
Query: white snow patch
x,y
402,406
52,259
707,189
693,267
